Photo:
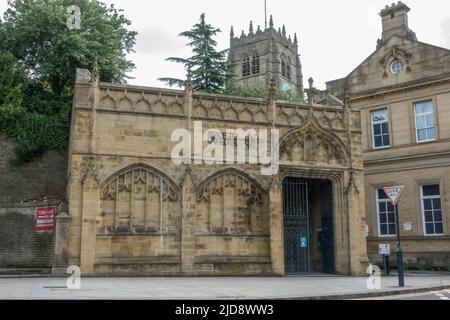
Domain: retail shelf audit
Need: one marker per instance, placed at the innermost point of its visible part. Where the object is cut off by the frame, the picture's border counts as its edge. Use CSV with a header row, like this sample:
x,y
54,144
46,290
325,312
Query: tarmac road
x,y
424,296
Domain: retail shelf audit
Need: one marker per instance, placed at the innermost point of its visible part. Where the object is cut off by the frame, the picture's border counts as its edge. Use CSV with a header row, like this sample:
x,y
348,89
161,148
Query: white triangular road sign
x,y
394,193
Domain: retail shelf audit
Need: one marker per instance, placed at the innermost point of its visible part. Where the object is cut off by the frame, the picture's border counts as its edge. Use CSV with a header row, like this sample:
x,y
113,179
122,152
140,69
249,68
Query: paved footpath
x,y
311,287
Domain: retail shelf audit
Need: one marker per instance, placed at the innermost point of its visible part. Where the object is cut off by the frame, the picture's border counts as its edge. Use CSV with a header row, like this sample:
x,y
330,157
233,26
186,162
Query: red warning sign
x,y
45,219
394,193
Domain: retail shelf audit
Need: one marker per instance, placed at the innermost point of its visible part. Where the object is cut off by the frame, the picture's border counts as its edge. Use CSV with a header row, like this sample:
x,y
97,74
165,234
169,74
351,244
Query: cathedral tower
x,y
262,55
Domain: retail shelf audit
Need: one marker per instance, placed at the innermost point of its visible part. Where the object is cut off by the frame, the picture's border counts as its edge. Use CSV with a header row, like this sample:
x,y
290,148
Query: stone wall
x,y
21,246
45,176
134,212
22,189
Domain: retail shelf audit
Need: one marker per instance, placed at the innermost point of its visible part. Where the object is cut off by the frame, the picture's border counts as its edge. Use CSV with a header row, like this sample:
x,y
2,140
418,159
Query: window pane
x,y
378,141
421,122
424,107
422,134
438,216
427,204
392,230
429,228
391,218
428,216
437,204
383,229
377,129
385,128
431,190
383,218
386,141
379,116
439,228
382,195
429,119
390,207
431,134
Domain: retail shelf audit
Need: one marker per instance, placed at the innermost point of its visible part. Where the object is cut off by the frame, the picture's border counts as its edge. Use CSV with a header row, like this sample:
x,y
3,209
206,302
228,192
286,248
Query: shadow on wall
x,y
21,246
43,178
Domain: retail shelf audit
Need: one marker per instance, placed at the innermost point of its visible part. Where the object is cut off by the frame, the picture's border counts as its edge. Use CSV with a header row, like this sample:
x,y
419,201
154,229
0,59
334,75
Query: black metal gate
x,y
326,236
296,225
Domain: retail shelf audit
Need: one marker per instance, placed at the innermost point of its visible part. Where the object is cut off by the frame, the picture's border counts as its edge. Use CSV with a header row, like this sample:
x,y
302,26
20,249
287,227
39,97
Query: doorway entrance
x,y
308,226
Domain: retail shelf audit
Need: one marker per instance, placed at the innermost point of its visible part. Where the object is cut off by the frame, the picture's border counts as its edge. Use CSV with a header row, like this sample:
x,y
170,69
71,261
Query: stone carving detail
x,y
224,109
139,199
330,119
230,202
291,116
90,170
313,145
142,102
394,54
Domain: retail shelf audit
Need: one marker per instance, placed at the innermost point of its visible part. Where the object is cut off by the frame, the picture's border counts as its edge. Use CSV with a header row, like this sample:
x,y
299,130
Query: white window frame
x,y
422,198
400,70
373,131
378,217
423,114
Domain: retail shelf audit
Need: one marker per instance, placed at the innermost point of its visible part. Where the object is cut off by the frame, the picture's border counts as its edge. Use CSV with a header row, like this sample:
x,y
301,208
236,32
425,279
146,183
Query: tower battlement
x,y
270,32
260,56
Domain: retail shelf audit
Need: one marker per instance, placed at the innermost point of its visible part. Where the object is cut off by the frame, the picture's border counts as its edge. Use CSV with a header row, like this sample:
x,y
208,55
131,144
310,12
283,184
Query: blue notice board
x,y
303,242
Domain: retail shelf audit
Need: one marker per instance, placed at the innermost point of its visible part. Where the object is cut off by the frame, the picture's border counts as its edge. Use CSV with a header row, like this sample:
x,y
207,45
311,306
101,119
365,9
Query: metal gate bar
x,y
296,226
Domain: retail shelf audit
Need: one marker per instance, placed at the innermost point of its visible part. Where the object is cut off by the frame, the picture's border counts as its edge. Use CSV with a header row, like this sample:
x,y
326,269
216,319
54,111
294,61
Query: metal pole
x,y
386,264
401,277
265,13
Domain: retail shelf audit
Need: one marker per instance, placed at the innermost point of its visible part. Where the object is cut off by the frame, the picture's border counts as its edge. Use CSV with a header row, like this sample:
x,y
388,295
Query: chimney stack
x,y
395,21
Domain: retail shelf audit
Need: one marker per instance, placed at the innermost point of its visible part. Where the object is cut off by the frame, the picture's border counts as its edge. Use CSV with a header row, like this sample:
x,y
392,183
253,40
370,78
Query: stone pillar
x,y
272,104
61,249
356,219
276,227
188,225
89,213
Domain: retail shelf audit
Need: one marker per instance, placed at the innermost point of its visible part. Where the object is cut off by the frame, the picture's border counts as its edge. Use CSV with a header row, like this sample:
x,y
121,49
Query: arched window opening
x,y
255,63
246,67
286,68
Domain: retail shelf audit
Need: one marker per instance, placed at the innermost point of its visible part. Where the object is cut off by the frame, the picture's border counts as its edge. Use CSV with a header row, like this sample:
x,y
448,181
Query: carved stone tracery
x,y
233,202
313,144
135,199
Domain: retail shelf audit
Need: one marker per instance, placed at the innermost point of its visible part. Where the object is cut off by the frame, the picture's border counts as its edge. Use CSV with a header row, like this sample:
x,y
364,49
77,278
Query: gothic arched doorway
x,y
308,226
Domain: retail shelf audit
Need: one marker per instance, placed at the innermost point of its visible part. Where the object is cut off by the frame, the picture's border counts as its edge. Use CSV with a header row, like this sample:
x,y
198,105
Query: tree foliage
x,y
234,89
39,54
207,65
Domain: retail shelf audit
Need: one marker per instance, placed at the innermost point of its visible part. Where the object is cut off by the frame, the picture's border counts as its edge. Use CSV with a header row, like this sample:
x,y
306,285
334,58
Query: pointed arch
x,y
255,63
231,201
136,199
317,144
246,68
139,169
227,173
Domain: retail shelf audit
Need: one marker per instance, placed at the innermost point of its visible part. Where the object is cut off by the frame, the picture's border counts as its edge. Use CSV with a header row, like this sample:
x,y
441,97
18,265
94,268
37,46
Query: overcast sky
x,y
334,36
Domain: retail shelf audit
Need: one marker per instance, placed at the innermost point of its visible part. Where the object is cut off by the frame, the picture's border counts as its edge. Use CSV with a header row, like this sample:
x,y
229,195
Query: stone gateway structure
x,y
134,212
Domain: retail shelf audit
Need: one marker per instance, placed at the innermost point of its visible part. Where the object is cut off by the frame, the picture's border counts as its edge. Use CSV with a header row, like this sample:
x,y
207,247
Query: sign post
x,y
394,194
385,251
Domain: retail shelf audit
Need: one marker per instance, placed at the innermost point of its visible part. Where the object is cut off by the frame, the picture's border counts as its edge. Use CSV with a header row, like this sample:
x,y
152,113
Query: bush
x,y
40,132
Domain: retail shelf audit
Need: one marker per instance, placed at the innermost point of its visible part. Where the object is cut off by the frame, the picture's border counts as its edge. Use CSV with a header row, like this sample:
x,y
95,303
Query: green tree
x,y
207,65
37,35
39,54
234,89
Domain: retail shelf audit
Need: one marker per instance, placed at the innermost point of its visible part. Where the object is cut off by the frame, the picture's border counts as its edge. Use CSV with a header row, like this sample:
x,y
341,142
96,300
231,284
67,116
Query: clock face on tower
x,y
285,87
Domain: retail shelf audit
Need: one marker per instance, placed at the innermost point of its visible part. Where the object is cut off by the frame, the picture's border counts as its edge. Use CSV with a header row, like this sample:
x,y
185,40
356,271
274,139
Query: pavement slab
x,y
306,287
